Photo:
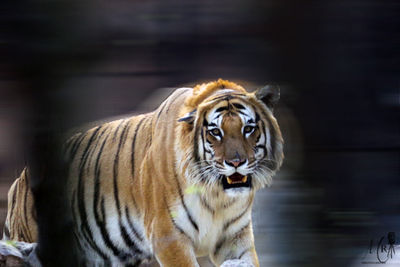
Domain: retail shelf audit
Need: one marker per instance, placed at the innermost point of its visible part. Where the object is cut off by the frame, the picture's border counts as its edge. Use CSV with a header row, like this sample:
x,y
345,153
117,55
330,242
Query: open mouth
x,y
236,180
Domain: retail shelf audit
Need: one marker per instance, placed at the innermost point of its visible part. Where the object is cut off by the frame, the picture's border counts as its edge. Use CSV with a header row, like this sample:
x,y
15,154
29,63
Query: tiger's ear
x,y
269,94
189,117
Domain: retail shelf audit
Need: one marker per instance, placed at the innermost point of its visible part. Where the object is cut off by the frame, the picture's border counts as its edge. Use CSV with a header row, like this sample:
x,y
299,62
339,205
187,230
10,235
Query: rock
x,y
236,263
10,255
14,253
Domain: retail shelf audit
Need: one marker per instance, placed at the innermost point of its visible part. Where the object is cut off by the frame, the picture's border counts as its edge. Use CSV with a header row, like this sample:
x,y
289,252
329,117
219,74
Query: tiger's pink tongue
x,y
236,178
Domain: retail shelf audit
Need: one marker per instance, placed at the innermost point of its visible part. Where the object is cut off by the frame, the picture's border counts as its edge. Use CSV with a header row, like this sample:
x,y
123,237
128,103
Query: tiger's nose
x,y
235,162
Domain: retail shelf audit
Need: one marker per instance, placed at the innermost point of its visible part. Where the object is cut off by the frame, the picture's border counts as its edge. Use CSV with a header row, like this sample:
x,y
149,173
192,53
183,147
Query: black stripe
x,y
74,218
264,147
196,145
77,144
218,246
219,115
149,138
238,106
265,133
67,144
259,135
189,216
89,150
134,203
239,232
85,153
88,238
244,251
133,155
222,109
128,241
272,164
247,115
106,237
6,231
235,236
176,97
14,197
131,226
174,223
97,175
206,205
21,235
27,188
81,199
101,222
204,147
98,221
181,230
78,243
125,236
117,130
25,200
272,134
93,150
227,205
208,151
163,105
233,220
227,97
115,169
133,146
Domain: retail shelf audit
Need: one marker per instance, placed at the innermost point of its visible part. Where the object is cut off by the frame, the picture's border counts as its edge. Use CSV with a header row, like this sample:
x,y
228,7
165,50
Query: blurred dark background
x,y
337,63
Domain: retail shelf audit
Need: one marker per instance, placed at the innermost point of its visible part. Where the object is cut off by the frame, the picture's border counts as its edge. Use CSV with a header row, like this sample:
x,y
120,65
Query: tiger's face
x,y
231,133
239,145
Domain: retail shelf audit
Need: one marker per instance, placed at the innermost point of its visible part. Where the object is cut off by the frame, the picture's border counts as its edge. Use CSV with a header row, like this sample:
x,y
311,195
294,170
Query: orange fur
x,y
136,168
202,91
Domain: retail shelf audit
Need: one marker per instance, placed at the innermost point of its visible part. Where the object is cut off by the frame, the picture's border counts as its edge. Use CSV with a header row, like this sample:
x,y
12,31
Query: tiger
x,y
171,185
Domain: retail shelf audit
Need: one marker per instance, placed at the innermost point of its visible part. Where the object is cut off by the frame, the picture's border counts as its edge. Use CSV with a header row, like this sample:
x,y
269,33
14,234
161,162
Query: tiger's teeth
x,y
244,179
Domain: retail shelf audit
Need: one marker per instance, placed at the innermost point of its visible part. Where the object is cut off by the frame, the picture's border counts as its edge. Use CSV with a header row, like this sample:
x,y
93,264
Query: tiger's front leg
x,y
171,247
236,251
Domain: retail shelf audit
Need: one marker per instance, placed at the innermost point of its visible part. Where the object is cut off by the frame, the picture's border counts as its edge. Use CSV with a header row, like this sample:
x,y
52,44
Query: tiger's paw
x,y
236,263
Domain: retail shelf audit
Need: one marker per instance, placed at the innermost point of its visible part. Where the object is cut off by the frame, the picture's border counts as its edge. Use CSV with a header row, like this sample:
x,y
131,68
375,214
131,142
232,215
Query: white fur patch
x,y
238,192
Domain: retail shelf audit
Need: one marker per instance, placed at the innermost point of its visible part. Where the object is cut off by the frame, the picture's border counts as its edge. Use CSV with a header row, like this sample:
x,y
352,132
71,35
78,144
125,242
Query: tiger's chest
x,y
208,222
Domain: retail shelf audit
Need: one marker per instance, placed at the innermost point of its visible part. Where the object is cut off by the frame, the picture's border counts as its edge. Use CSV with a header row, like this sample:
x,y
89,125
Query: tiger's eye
x,y
248,129
216,132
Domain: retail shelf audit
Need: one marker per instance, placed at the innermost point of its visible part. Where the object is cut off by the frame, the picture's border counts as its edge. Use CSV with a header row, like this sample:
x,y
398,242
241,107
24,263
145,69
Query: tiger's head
x,y
236,143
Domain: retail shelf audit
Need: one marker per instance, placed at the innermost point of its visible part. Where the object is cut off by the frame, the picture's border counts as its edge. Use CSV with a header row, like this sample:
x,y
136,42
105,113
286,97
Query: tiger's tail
x,y
20,222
